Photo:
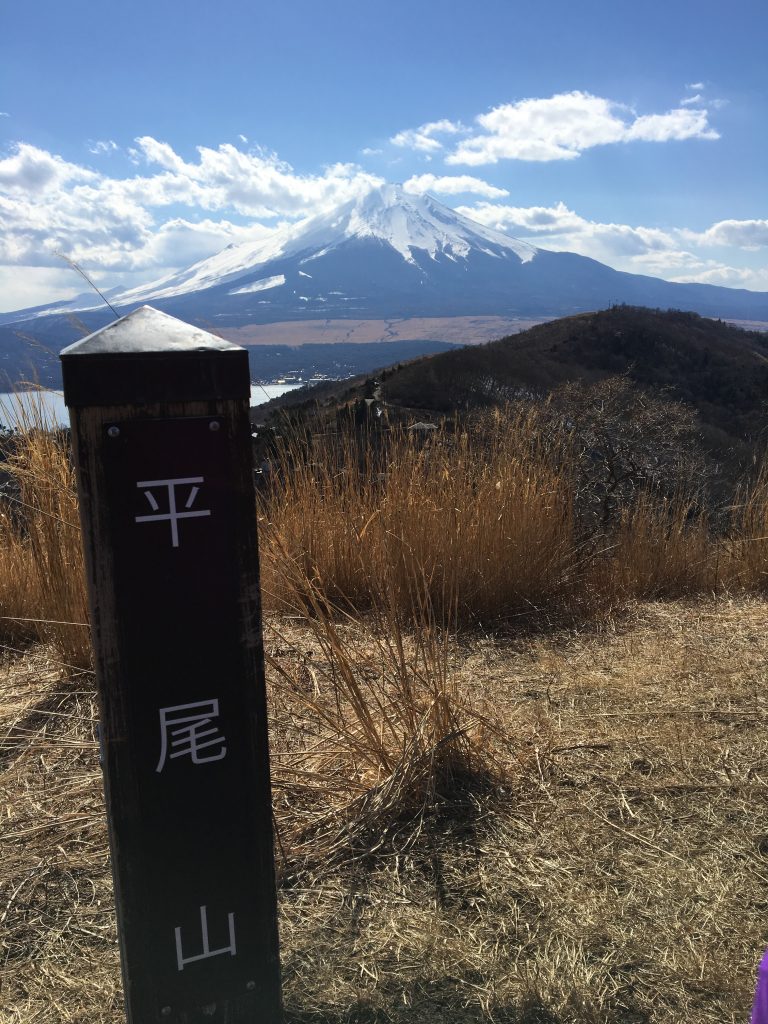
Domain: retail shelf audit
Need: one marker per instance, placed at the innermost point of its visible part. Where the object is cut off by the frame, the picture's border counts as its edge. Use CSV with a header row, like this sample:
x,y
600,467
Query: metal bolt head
x,y
214,425
115,432
250,985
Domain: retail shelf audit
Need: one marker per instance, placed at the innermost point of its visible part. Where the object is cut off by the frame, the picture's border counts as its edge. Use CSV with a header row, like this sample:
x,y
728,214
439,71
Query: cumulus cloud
x,y
423,139
746,234
558,227
170,210
160,153
173,213
414,139
677,124
453,185
369,151
677,254
32,171
561,127
690,101
253,184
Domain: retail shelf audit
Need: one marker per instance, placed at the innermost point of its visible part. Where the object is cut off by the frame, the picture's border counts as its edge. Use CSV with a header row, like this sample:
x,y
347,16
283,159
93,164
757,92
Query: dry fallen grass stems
x,y
612,868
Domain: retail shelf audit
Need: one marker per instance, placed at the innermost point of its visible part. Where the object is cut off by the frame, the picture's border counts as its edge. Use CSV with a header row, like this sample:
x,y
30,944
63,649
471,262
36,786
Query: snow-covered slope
x,y
385,255
387,214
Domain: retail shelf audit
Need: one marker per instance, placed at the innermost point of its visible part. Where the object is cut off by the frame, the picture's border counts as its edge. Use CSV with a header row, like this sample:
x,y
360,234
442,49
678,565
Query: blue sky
x,y
138,138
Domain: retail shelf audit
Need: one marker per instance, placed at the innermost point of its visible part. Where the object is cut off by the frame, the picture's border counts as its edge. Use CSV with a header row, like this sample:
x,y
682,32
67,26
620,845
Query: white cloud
x,y
105,146
686,267
169,211
413,139
35,286
677,124
677,254
711,272
33,171
159,153
561,127
422,139
746,234
558,227
253,184
453,185
4,113
369,151
697,88
443,127
243,139
172,214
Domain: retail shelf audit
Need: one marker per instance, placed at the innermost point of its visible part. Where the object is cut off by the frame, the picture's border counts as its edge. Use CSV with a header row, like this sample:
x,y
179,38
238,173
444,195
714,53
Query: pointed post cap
x,y
149,356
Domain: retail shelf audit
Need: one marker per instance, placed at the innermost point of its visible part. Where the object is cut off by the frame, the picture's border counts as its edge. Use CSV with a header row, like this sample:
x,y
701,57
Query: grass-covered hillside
x,y
718,369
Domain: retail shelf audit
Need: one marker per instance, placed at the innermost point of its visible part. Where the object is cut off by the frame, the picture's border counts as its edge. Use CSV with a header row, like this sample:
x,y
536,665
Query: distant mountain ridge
x,y
386,254
716,368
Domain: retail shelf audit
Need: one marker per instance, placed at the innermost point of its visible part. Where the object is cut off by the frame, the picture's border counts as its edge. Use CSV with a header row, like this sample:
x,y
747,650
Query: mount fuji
x,y
384,255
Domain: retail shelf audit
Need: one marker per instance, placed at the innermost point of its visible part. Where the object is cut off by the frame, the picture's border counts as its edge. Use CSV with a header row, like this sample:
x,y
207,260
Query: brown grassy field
x,y
595,850
508,785
458,329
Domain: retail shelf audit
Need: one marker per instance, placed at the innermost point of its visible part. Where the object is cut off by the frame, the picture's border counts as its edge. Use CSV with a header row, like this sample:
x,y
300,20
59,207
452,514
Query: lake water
x,y
15,407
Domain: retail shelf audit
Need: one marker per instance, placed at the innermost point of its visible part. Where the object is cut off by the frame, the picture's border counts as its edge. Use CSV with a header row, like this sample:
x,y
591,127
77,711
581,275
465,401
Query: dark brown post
x,y
161,440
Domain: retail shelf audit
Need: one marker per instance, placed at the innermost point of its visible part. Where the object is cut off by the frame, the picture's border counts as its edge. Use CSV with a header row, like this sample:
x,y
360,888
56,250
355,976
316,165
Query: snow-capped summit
x,y
408,222
386,214
385,255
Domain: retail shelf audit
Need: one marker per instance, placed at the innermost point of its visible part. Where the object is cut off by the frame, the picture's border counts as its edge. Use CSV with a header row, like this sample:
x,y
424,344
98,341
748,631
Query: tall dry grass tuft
x,y
379,725
746,555
662,548
43,589
475,527
482,523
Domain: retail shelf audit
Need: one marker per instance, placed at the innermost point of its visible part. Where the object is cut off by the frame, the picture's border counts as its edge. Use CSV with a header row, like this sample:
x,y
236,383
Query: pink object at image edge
x,y
760,1007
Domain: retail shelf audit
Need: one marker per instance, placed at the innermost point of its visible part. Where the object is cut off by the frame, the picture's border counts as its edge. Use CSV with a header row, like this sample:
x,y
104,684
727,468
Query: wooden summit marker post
x,y
161,441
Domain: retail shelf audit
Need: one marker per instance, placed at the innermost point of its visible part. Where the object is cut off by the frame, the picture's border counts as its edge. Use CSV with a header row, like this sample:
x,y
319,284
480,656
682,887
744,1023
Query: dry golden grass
x,y
661,549
482,526
612,867
562,827
42,585
478,528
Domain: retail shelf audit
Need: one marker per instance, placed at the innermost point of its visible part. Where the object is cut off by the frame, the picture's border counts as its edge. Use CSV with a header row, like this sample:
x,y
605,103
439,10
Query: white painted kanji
x,y
188,730
182,961
173,515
